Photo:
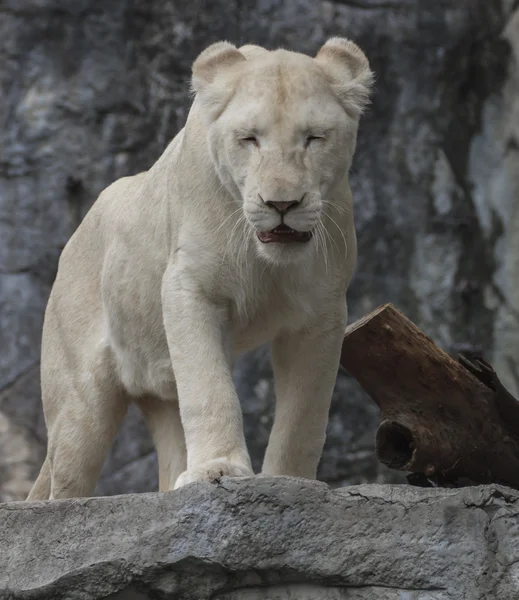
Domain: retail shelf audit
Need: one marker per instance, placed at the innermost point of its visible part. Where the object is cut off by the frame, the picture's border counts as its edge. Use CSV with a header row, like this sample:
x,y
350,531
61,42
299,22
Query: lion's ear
x,y
348,68
211,72
251,51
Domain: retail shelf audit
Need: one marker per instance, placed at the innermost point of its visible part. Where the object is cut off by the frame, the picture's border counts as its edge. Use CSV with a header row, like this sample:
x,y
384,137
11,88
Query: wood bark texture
x,y
455,424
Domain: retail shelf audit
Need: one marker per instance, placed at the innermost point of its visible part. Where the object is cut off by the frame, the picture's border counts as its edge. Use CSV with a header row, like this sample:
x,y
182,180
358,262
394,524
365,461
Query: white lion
x,y
241,233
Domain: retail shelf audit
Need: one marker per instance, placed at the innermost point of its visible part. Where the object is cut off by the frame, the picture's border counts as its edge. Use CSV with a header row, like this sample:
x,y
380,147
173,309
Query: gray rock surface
x,y
92,90
266,538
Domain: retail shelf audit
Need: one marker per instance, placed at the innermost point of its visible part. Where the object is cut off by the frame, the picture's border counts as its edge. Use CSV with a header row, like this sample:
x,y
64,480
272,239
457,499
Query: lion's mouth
x,y
283,234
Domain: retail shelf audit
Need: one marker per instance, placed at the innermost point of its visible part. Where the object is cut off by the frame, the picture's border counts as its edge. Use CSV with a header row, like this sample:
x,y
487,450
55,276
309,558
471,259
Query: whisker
x,y
343,209
321,241
227,218
246,234
233,231
342,234
330,237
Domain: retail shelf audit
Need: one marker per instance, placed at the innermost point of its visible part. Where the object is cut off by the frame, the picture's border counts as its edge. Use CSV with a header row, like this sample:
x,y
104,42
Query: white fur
x,y
165,282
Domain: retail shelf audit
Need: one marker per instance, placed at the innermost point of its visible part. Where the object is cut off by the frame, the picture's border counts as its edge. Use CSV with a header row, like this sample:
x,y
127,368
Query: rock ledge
x,y
263,538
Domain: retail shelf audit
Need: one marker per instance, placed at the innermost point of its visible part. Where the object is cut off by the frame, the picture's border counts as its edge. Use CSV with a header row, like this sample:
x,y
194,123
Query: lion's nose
x,y
282,207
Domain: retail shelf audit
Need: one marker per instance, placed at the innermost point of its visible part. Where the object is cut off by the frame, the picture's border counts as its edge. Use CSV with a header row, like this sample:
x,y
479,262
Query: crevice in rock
x,y
17,378
373,4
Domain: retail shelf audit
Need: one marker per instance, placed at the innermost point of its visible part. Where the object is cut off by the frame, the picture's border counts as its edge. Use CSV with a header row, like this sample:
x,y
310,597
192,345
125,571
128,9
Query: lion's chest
x,y
138,338
279,306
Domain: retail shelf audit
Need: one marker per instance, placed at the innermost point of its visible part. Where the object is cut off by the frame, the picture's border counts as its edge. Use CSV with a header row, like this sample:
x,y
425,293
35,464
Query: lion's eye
x,y
250,139
313,138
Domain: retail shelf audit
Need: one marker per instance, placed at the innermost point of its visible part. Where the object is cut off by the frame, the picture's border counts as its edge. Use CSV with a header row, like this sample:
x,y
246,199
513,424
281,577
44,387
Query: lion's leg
x,y
80,437
200,343
305,369
163,419
41,488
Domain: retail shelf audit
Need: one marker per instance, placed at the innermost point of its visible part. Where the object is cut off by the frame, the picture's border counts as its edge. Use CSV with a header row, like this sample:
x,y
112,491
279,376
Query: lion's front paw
x,y
213,470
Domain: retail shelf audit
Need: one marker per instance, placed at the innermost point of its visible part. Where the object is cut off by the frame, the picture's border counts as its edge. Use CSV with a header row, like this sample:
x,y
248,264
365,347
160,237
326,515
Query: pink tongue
x,y
283,234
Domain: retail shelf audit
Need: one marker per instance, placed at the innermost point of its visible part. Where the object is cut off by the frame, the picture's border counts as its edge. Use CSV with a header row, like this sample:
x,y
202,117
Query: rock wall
x,y
92,90
272,539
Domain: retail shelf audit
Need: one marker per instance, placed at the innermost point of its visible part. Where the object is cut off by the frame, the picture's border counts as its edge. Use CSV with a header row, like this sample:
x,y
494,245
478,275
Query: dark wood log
x,y
439,418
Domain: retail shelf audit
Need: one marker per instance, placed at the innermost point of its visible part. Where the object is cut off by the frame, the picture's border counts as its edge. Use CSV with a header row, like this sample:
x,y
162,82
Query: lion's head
x,y
282,129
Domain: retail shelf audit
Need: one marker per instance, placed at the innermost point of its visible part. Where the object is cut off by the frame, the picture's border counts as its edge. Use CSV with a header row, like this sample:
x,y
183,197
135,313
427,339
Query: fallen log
x,y
452,422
